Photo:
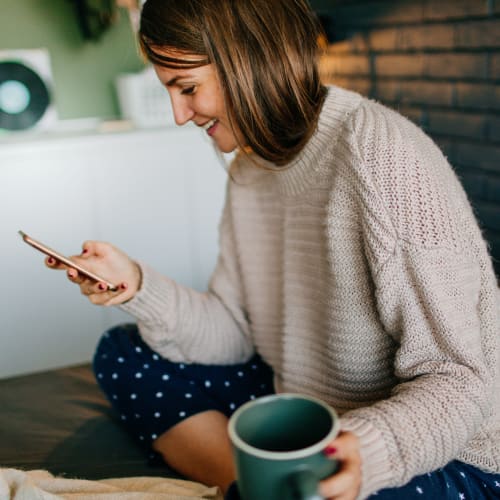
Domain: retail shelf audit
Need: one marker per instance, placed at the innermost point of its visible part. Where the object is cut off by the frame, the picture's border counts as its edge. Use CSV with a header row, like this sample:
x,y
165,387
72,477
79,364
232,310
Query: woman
x,y
351,268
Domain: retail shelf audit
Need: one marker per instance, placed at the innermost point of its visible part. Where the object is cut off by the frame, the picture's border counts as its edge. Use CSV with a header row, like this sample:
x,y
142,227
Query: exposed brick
x,y
495,66
493,126
379,13
493,190
456,124
475,185
432,36
361,85
354,42
445,65
478,96
488,214
427,93
408,65
478,156
341,64
454,9
387,91
477,34
385,39
412,113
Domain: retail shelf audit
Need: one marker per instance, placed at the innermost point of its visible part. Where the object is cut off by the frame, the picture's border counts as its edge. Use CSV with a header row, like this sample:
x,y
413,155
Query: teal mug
x,y
278,444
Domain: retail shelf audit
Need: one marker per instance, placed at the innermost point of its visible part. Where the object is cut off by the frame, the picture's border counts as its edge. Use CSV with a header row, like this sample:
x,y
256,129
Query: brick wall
x,y
438,63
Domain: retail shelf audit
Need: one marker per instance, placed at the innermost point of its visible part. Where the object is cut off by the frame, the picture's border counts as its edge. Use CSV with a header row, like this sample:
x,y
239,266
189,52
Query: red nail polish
x,y
72,275
50,260
124,286
329,451
102,286
85,251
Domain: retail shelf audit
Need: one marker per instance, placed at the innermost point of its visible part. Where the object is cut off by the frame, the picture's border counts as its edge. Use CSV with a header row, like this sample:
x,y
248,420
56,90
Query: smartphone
x,y
61,258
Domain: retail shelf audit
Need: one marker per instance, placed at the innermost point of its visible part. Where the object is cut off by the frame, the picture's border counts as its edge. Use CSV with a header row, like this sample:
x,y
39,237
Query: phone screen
x,y
61,258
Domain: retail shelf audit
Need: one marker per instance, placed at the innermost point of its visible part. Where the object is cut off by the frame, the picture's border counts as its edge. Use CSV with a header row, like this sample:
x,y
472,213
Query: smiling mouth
x,y
209,124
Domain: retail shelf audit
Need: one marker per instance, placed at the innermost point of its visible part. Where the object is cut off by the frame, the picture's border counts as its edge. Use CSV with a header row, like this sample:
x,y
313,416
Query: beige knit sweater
x,y
360,275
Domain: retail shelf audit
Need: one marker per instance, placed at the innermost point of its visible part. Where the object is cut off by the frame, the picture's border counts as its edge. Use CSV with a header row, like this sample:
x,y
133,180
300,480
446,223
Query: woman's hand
x,y
109,262
346,482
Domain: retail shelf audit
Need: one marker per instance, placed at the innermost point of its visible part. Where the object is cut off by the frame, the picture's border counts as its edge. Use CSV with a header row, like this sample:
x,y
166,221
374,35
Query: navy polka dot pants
x,y
152,394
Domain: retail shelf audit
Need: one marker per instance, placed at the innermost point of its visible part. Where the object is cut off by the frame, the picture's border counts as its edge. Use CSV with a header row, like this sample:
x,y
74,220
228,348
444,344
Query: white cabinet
x,y
156,194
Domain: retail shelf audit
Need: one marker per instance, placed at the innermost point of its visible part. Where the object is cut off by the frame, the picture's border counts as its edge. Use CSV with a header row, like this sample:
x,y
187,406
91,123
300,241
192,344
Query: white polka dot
x,y
114,376
182,366
182,414
154,436
133,396
208,383
123,417
240,374
137,415
254,367
146,366
232,406
188,395
104,356
115,396
252,396
141,438
159,394
226,383
156,357
120,360
165,377
157,414
419,490
138,349
100,375
138,375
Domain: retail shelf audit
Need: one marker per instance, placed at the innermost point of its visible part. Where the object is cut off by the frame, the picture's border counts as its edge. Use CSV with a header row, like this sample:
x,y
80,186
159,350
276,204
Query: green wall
x,y
83,71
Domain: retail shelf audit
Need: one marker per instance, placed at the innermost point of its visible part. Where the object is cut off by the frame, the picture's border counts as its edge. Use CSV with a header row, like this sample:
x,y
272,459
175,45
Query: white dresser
x,y
156,194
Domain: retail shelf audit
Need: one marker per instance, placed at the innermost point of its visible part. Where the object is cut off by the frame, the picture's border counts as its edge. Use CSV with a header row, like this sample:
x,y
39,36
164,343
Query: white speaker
x,y
26,90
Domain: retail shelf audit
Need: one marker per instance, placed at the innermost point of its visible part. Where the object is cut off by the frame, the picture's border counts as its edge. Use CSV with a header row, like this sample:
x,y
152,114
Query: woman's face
x,y
196,96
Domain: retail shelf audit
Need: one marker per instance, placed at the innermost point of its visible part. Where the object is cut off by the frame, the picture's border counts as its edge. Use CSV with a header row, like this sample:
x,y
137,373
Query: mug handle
x,y
304,485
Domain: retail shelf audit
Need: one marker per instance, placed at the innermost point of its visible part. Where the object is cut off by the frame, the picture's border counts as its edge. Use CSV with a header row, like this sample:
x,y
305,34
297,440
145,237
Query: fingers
x,y
346,482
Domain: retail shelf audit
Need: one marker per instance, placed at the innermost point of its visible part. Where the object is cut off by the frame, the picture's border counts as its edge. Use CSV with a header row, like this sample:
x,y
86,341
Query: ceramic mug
x,y
278,444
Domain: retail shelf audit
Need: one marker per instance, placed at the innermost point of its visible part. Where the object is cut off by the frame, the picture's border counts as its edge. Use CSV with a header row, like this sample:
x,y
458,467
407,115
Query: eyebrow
x,y
174,80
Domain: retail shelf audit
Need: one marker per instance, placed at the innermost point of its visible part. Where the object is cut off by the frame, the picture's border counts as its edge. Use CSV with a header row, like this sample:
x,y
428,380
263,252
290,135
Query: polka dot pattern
x,y
151,394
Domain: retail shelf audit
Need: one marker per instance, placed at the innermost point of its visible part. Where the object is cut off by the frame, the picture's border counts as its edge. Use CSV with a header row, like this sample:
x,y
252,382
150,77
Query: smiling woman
x,y
275,111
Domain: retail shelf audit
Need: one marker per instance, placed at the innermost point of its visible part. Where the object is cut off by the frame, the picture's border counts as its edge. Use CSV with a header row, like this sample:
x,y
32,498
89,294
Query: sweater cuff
x,y
150,302
375,469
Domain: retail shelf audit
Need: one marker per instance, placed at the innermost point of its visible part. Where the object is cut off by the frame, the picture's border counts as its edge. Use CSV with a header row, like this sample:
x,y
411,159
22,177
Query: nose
x,y
182,111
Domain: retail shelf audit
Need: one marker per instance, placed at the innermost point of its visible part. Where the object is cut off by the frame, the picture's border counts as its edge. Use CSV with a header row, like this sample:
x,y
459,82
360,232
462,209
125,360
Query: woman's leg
x,y
456,480
180,410
199,448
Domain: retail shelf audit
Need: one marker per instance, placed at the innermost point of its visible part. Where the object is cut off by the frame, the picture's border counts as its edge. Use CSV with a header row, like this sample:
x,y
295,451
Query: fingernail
x,y
102,286
124,286
329,451
50,260
72,275
85,251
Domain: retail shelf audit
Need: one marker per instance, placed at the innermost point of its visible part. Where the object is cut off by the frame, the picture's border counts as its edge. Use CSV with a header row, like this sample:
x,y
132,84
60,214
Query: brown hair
x,y
265,55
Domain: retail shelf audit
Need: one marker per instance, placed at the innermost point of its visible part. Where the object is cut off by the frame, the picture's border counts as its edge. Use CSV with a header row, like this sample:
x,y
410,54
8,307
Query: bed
x,y
59,421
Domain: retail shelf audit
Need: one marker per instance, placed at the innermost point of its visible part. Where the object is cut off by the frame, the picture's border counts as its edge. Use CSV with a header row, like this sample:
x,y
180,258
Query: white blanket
x,y
17,484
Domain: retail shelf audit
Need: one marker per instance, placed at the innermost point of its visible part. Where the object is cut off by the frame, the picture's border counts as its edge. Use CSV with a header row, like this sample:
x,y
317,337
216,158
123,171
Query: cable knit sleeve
x,y
436,297
182,324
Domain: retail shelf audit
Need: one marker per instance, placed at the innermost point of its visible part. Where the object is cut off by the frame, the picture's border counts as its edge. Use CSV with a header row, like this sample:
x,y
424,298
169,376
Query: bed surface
x,y
59,421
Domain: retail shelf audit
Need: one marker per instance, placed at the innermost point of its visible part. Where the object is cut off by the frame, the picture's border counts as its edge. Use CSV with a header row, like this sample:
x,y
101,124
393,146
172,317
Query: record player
x,y
26,90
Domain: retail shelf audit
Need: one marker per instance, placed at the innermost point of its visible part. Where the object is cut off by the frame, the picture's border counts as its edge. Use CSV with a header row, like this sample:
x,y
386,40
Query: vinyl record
x,y
24,97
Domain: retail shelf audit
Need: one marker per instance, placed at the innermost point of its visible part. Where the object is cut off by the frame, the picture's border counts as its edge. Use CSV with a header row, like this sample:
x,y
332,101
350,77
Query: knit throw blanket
x,y
17,484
